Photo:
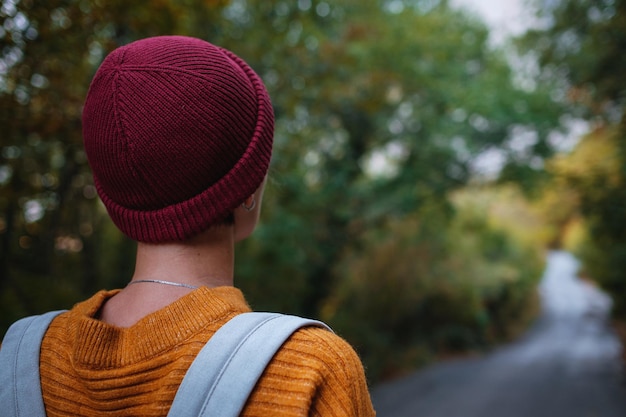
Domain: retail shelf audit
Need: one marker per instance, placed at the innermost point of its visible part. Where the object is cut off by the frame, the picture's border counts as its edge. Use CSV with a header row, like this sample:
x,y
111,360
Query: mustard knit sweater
x,y
91,368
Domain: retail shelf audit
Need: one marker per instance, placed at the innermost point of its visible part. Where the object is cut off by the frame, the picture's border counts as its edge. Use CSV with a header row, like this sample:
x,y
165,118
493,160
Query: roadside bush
x,y
433,287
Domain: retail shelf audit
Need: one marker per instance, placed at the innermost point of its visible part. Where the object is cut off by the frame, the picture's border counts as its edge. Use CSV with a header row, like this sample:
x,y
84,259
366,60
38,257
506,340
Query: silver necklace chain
x,y
159,281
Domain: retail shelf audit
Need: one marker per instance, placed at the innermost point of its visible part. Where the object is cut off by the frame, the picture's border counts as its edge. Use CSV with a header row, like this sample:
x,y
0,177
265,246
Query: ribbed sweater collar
x,y
101,345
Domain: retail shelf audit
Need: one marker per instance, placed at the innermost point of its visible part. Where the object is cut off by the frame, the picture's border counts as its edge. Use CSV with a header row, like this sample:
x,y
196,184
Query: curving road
x,y
566,366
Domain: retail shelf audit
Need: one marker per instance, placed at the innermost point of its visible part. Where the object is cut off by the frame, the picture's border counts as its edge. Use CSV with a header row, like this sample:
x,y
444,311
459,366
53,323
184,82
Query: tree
x,y
581,48
51,225
393,101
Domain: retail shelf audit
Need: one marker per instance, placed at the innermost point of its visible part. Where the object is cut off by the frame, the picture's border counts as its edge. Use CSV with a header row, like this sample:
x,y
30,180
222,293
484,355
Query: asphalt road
x,y
567,365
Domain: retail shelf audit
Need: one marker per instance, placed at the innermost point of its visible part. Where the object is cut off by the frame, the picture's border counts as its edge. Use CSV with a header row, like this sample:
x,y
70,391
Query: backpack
x,y
218,382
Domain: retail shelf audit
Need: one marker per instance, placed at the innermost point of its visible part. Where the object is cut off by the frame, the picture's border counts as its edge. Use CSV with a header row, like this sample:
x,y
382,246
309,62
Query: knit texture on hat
x,y
178,133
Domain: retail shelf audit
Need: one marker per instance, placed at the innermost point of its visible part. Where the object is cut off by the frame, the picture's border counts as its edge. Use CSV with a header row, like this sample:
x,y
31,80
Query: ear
x,y
247,214
249,204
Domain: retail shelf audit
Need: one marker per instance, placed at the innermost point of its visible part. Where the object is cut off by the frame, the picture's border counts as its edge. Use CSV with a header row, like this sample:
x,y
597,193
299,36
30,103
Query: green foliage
x,y
582,46
418,90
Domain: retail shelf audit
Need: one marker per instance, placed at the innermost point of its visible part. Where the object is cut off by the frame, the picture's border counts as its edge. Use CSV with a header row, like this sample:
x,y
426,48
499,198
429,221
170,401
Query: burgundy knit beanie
x,y
178,133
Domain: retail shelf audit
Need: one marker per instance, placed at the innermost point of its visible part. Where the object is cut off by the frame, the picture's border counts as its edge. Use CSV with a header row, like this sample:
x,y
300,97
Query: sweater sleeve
x,y
343,390
315,373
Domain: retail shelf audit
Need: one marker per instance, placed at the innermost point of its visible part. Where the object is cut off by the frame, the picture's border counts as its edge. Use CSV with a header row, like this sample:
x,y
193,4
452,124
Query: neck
x,y
205,260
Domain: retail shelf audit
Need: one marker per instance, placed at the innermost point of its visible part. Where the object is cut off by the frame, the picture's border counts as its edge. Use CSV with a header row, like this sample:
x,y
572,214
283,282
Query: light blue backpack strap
x,y
20,386
224,373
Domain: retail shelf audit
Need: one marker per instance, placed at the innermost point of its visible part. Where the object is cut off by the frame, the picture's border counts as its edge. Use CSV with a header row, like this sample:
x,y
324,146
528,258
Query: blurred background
x,y
427,158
